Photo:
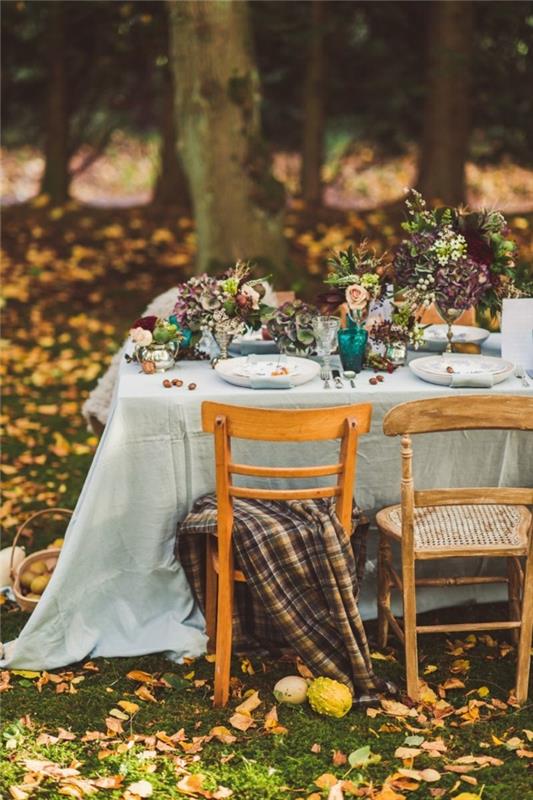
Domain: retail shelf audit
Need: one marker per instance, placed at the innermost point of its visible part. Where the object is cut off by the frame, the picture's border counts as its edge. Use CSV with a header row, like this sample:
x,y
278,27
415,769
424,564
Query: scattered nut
x,y
191,386
449,369
177,382
373,381
166,383
148,367
380,378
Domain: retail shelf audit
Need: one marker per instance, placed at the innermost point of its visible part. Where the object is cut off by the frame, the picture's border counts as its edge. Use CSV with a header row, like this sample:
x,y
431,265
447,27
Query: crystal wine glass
x,y
325,330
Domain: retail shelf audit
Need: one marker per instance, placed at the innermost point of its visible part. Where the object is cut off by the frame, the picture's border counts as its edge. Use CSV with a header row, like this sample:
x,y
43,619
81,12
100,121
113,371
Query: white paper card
x,y
517,331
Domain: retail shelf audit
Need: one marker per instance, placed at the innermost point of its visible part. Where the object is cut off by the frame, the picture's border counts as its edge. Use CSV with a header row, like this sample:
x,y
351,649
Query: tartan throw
x,y
302,581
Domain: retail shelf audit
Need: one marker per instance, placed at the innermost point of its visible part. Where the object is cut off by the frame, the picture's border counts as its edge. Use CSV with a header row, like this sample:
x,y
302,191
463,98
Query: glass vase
x,y
352,345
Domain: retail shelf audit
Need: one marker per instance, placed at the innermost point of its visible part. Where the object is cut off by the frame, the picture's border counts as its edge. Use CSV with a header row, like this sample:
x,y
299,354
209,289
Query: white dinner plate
x,y
435,369
435,336
239,370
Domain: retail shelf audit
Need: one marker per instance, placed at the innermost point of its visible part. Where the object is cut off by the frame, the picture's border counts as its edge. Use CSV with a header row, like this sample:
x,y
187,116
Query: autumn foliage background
x,y
99,217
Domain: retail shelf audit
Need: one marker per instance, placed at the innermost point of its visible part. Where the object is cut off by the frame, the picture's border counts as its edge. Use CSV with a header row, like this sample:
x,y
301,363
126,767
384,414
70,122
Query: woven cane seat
x,y
462,527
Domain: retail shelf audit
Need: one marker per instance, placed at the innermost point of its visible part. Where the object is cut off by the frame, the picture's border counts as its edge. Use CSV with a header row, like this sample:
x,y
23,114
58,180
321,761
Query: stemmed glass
x,y
325,330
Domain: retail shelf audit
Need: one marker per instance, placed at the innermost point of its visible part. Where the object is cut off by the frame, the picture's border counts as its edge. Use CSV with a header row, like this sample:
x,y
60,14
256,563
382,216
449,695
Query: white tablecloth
x,y
118,590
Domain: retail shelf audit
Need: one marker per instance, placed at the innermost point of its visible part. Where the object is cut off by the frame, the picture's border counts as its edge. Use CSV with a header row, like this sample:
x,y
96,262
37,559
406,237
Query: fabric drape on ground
x,y
302,573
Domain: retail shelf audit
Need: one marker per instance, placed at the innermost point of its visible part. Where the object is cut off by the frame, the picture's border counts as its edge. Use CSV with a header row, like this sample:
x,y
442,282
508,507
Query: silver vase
x,y
163,356
223,341
396,353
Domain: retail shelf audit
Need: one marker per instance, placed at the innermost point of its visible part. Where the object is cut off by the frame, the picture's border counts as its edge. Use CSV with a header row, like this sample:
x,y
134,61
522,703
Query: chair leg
x,y
224,633
513,591
526,629
409,627
384,588
211,586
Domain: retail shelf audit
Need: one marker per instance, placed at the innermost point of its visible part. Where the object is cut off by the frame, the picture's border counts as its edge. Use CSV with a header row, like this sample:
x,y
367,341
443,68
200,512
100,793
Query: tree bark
x,y
313,108
171,187
238,205
447,109
56,179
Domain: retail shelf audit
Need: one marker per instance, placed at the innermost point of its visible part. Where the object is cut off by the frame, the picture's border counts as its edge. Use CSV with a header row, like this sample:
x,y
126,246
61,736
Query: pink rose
x,y
140,336
357,297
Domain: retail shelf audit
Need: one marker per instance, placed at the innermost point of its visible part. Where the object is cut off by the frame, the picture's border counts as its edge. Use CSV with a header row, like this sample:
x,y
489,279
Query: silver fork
x,y
325,376
521,374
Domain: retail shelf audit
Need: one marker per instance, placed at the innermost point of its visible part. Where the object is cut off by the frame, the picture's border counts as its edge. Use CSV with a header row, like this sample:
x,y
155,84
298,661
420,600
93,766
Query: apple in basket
x,y
37,574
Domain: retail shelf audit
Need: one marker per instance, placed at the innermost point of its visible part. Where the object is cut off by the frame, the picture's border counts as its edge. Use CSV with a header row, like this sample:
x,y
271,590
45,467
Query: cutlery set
x,y
326,375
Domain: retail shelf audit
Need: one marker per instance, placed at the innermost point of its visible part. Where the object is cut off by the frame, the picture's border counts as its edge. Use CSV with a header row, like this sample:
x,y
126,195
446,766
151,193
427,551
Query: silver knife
x,y
337,378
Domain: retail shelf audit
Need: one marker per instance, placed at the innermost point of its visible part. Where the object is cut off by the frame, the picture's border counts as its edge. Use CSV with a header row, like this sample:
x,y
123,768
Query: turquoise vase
x,y
352,345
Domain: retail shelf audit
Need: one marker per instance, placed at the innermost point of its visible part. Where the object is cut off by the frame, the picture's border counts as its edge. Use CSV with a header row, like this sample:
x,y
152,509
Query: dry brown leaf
x,y
316,748
395,708
241,721
191,784
521,753
142,677
250,704
388,793
407,752
114,725
223,734
144,693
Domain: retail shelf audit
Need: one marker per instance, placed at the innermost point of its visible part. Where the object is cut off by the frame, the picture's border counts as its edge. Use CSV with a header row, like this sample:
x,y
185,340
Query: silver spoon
x,y
349,375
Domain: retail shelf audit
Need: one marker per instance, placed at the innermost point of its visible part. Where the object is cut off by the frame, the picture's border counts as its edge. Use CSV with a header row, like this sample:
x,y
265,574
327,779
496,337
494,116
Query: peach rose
x,y
357,297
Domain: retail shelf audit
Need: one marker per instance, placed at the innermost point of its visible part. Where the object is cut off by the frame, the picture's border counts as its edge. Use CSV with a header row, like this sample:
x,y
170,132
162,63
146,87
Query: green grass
x,y
258,764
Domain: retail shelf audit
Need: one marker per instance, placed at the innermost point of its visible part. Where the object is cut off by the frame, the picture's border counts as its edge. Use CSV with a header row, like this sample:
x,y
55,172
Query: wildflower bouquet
x,y
355,278
455,258
229,303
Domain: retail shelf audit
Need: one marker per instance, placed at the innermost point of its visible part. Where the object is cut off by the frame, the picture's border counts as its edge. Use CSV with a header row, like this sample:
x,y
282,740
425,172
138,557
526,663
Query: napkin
x,y
271,382
479,380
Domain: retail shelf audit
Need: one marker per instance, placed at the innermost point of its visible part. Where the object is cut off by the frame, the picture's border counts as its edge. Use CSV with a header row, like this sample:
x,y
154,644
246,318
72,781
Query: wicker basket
x,y
50,556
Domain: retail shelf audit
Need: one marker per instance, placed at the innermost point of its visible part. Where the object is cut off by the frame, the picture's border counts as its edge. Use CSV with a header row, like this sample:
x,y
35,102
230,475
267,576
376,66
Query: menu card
x,y
517,331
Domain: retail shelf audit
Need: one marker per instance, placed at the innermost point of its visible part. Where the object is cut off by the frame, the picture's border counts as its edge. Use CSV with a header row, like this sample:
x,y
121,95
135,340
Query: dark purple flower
x,y
146,323
478,249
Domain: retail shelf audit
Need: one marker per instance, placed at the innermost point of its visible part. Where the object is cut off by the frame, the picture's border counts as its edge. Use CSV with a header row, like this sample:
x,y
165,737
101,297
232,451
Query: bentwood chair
x,y
276,425
452,523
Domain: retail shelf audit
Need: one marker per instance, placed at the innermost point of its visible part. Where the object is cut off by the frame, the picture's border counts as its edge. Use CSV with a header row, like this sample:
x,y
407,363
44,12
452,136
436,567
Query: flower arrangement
x,y
455,258
226,304
403,329
291,327
155,330
355,279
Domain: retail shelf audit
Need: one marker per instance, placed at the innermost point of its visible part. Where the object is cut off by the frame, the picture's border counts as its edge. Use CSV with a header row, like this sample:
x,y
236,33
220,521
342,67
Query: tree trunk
x,y
238,206
313,107
55,181
447,110
171,186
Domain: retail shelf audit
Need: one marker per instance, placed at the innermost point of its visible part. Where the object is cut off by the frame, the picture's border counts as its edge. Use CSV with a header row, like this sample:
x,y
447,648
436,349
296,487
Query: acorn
x,y
191,386
177,382
166,383
373,381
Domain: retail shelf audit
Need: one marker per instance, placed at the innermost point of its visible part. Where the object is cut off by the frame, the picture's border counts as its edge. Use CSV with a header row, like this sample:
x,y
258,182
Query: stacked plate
x,y
435,336
442,370
265,372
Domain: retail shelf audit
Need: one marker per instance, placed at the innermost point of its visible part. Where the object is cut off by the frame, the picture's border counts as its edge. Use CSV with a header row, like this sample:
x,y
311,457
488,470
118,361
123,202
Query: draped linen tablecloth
x,y
117,589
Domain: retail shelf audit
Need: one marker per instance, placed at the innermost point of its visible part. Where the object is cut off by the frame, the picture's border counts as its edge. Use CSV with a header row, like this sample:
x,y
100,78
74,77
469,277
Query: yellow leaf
x,y
142,677
466,796
483,691
247,667
250,704
460,666
26,673
223,735
429,669
118,714
60,447
326,780
241,721
145,694
129,708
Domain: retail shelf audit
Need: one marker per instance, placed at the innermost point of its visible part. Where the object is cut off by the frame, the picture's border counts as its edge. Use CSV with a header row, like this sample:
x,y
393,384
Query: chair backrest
x,y
285,425
485,412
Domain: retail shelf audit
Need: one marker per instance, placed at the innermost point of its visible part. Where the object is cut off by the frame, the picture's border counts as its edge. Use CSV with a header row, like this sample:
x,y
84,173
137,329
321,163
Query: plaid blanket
x,y
302,581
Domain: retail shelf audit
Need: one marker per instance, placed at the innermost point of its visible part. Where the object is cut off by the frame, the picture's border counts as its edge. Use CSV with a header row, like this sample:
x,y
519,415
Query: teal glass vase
x,y
352,345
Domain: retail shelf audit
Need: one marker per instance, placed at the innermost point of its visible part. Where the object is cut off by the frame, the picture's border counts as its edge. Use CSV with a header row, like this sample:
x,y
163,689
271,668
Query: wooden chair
x,y
451,523
276,425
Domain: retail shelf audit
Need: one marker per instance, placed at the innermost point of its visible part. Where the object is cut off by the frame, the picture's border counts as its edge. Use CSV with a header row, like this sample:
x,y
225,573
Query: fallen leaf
x,y
241,721
250,704
141,788
223,734
326,780
142,677
129,708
